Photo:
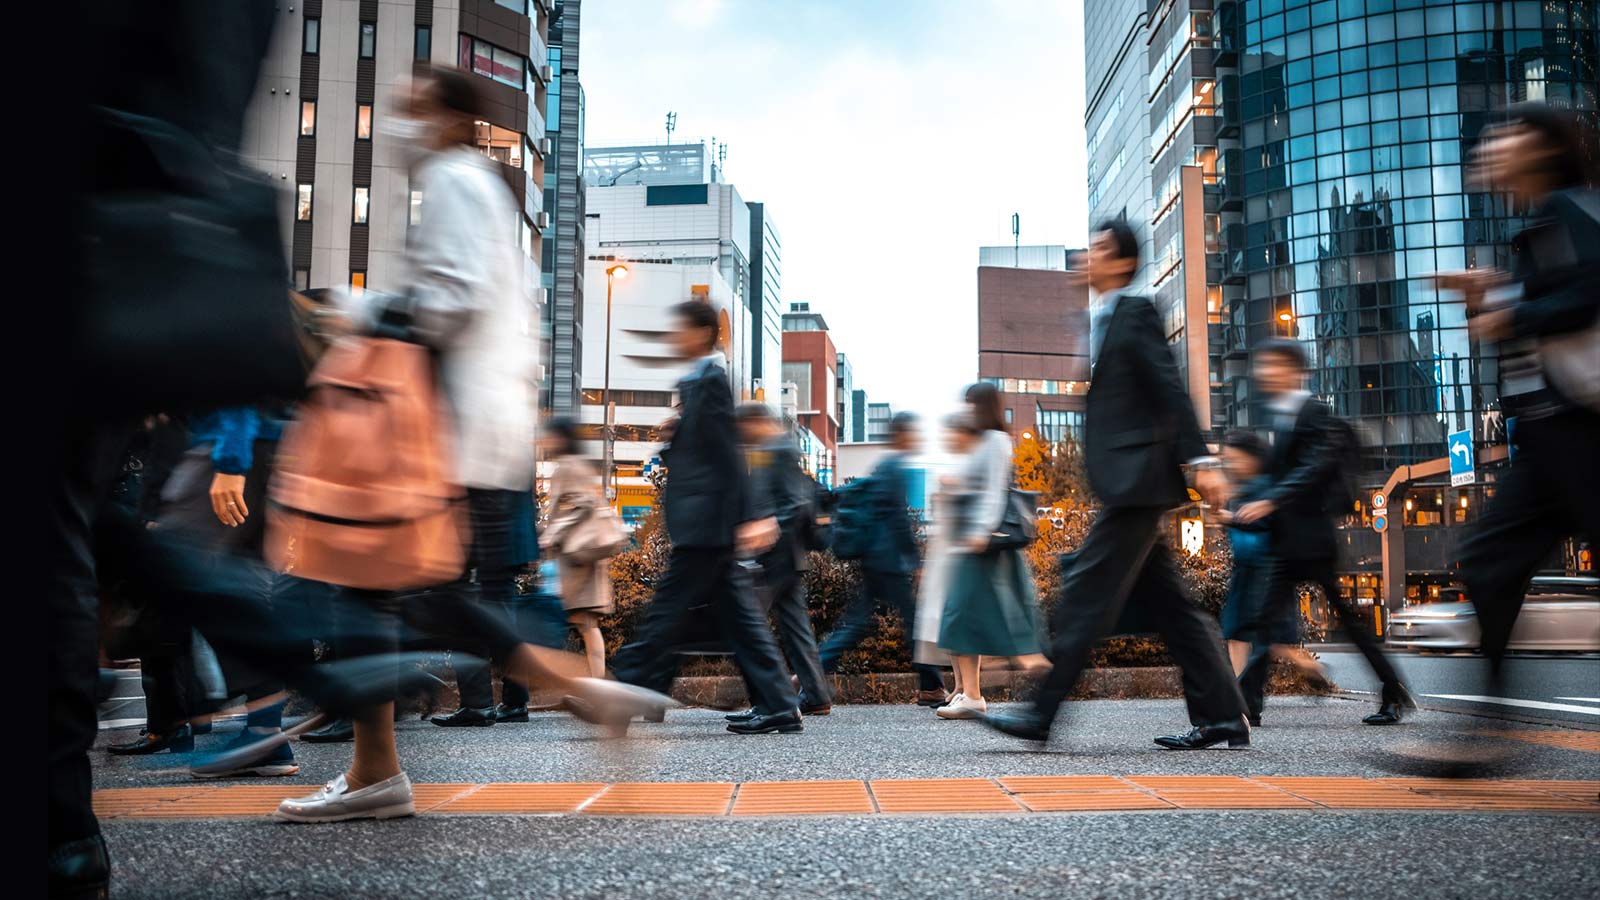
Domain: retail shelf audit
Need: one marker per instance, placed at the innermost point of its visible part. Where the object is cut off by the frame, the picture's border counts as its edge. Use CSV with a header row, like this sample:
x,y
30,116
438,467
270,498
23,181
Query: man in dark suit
x,y
1304,466
891,558
1140,430
784,491
710,519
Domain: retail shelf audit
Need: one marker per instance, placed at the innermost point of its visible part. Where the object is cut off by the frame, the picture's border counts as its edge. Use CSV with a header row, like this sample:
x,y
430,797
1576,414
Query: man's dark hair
x,y
1247,441
754,411
903,423
698,314
1568,137
1122,233
565,432
1284,348
457,91
984,398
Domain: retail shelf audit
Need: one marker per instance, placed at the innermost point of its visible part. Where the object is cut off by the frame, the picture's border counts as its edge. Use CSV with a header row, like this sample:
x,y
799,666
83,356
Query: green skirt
x,y
991,608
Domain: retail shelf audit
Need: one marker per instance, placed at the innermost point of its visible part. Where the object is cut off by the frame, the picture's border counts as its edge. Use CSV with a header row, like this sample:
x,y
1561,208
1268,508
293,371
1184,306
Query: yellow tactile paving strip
x,y
1584,741
1020,794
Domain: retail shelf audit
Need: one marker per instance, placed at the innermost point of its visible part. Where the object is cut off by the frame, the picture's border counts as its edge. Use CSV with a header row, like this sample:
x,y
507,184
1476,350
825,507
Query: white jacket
x,y
466,274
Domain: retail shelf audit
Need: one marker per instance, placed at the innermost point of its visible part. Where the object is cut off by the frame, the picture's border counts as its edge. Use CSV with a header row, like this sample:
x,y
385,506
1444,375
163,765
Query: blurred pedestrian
x,y
1139,429
990,606
1545,315
712,520
784,489
1305,469
944,526
466,298
573,498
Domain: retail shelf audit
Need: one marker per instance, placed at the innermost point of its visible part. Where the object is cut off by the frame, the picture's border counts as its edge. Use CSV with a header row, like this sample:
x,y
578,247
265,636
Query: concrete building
x,y
332,77
766,301
810,362
1033,327
1027,256
878,418
857,426
1306,163
845,390
564,253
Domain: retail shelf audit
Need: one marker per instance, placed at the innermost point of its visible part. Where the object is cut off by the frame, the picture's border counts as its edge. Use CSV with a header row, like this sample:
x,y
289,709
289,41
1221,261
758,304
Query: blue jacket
x,y
232,433
1252,543
893,548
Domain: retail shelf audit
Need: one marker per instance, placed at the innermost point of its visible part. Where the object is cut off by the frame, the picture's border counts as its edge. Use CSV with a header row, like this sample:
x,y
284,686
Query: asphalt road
x,y
1559,688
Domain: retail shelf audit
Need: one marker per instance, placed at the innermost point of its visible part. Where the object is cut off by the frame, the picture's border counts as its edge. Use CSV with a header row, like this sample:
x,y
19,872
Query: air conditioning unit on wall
x,y
543,221
544,146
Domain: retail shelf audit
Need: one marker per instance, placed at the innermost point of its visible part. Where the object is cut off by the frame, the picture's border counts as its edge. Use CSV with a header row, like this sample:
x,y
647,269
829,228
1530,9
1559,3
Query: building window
x,y
363,201
416,208
302,206
424,43
1008,415
311,37
364,121
369,39
302,279
358,281
525,235
485,59
520,6
676,195
308,118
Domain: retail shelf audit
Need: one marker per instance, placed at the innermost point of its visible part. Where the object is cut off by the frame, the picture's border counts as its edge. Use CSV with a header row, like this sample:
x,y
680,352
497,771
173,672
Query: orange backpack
x,y
363,495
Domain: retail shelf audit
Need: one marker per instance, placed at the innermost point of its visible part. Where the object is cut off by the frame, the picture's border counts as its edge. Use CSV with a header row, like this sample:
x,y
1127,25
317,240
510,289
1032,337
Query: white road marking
x,y
1526,704
1581,699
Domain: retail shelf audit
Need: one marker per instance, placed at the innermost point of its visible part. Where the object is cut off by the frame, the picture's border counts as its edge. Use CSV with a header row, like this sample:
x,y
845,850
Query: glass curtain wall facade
x,y
1356,118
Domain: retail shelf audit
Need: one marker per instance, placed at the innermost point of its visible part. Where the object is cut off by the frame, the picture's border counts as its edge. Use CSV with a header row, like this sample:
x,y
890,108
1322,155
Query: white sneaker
x,y
388,799
962,707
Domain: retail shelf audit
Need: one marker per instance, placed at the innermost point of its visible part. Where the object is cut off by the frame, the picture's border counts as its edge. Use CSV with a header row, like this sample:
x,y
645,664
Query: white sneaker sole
x,y
394,811
945,712
281,770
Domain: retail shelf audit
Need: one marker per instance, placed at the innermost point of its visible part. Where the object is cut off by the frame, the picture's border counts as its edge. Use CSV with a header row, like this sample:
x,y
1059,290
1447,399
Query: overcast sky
x,y
890,139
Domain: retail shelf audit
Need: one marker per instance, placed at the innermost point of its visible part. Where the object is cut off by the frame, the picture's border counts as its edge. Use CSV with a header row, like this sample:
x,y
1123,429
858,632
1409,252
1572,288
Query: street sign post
x,y
1380,512
1458,447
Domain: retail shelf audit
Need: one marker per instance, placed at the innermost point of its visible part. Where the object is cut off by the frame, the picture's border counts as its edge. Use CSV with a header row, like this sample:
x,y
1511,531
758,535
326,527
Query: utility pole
x,y
1016,240
672,125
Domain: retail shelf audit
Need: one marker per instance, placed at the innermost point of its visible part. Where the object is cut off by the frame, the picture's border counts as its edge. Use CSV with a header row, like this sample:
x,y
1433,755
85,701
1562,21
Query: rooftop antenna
x,y
672,125
722,156
1016,240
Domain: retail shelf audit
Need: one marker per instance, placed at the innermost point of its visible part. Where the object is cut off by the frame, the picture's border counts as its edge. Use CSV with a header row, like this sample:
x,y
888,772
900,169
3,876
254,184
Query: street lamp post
x,y
607,431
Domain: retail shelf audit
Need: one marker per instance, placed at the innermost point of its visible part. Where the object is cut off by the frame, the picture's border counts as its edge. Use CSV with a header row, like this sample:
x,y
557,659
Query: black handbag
x,y
186,300
1019,525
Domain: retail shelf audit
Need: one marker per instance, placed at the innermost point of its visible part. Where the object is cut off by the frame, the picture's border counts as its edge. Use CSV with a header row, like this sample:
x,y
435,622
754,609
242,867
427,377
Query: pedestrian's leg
x,y
754,651
798,641
854,625
969,675
1092,596
896,593
1320,572
1238,654
1194,640
587,624
650,659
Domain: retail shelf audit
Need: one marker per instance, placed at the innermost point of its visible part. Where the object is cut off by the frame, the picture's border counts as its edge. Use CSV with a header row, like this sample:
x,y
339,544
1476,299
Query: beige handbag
x,y
587,534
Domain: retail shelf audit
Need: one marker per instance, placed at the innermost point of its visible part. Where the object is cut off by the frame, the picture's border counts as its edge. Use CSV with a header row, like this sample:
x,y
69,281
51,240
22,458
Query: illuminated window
x,y
302,279
308,118
364,121
302,206
416,208
358,282
362,203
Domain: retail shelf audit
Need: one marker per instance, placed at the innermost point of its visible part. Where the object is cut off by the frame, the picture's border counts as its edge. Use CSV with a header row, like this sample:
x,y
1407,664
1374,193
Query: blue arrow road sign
x,y
1459,448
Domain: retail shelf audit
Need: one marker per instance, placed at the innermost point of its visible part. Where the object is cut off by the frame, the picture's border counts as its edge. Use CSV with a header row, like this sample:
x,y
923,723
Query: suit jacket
x,y
1303,464
1139,425
892,548
707,494
781,489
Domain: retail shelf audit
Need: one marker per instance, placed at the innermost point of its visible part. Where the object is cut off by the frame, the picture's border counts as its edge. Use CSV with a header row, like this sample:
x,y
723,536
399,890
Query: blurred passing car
x,y
1558,613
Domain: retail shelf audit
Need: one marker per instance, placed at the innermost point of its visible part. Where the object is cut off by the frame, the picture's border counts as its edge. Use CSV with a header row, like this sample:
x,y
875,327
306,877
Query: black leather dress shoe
x,y
80,869
1028,725
818,709
504,713
178,740
1387,714
339,731
466,717
745,716
785,722
1254,719
1237,734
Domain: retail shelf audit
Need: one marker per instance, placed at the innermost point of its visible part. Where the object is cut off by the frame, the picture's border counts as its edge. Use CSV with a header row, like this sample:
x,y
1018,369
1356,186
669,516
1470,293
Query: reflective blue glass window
x,y
1380,28
1324,12
1382,79
1381,54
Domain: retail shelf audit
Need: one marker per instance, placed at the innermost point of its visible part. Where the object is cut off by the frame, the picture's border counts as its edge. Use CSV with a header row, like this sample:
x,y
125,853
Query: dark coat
x,y
892,548
781,489
1302,467
1139,425
707,493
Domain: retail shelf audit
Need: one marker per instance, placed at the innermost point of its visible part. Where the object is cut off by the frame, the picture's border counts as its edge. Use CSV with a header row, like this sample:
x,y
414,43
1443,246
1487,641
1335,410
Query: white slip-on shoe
x,y
388,799
963,707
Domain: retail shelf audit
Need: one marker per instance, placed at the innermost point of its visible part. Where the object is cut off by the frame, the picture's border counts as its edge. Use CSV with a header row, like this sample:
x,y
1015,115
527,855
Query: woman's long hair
x,y
984,398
